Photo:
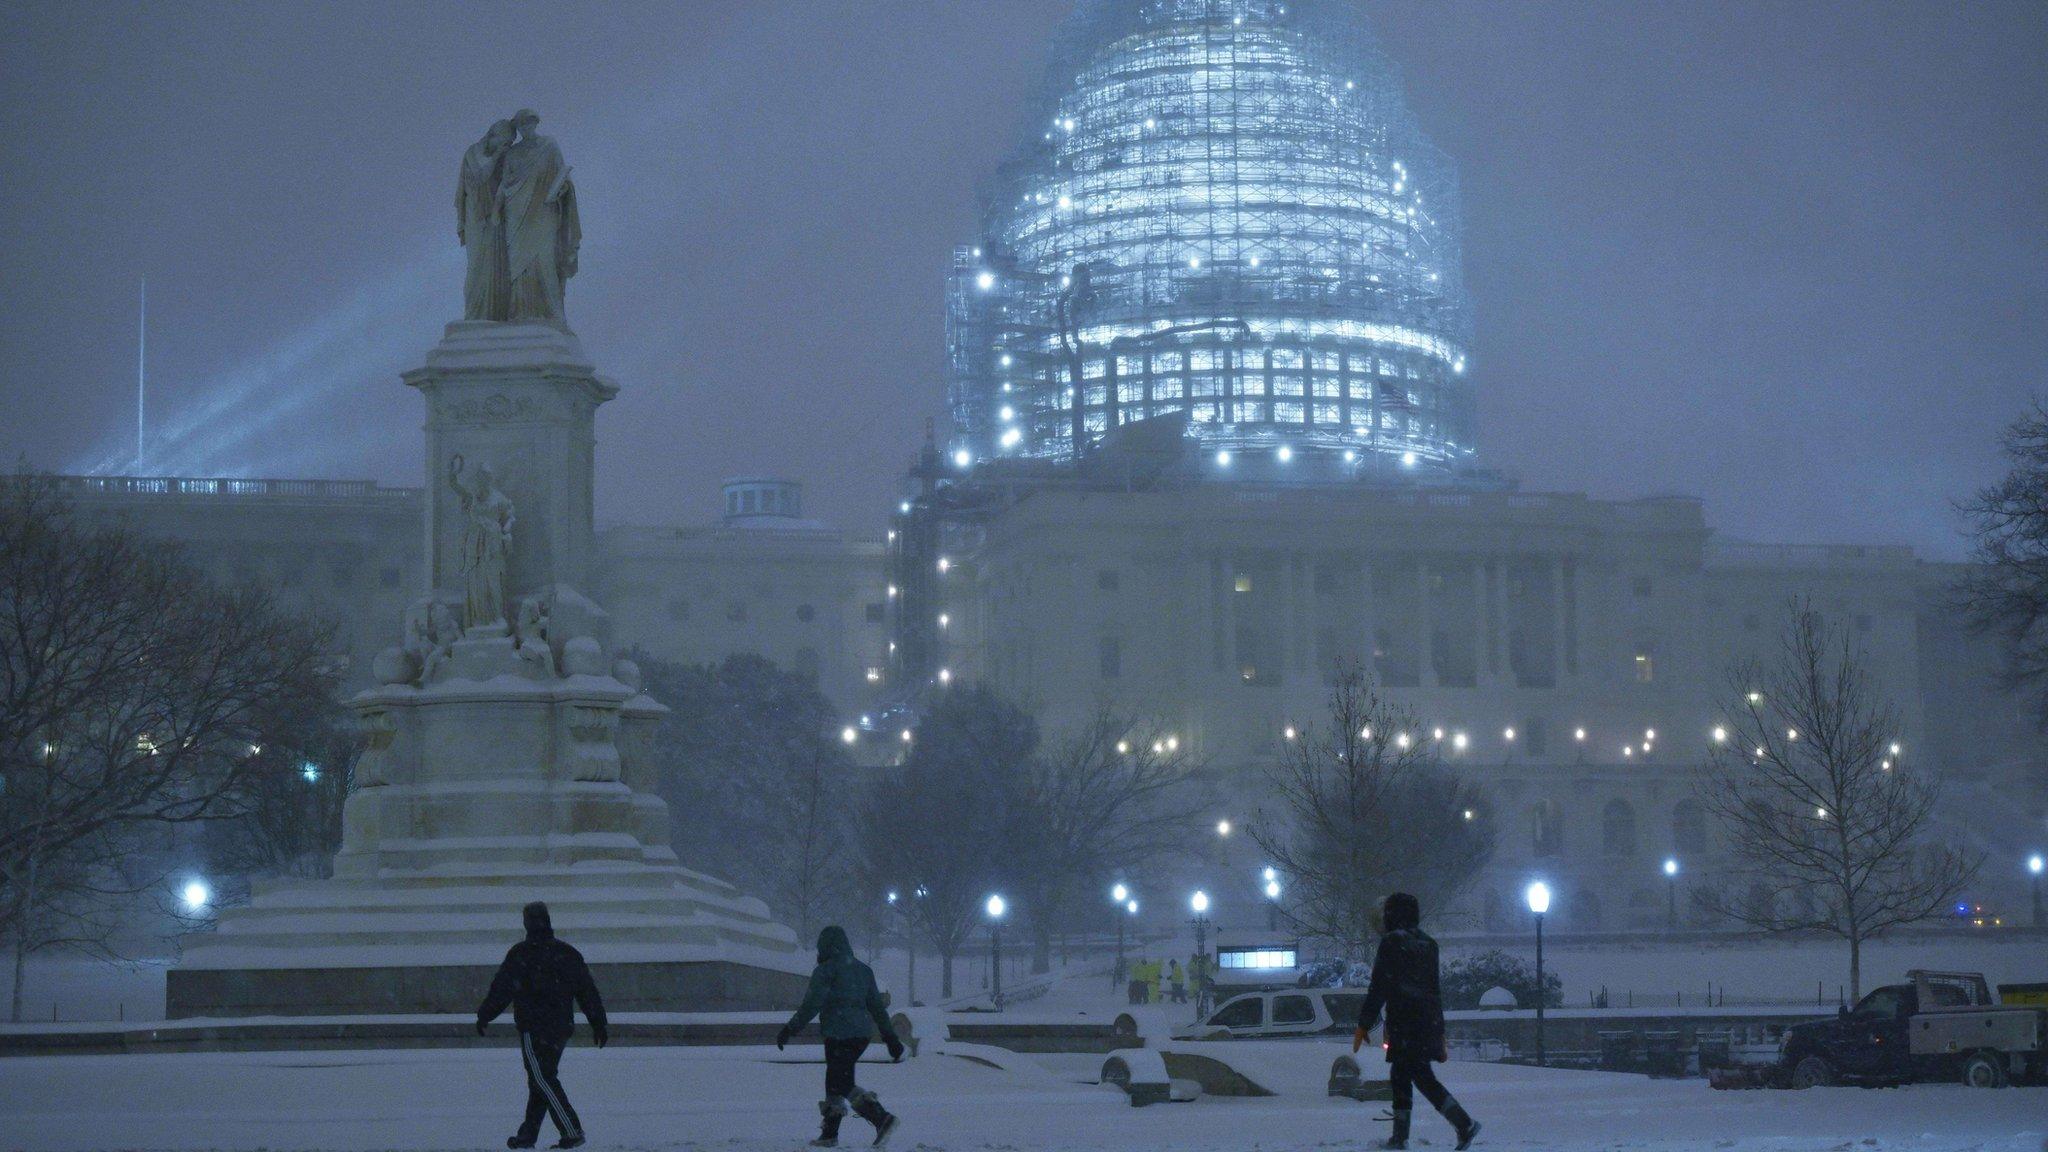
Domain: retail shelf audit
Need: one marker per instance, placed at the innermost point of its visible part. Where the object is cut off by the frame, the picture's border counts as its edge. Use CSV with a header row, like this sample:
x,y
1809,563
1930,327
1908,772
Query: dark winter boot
x,y
521,1141
869,1108
830,1113
1400,1137
1461,1120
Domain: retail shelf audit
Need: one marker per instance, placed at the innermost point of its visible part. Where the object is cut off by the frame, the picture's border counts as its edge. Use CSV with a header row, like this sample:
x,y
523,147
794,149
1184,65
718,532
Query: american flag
x,y
1394,398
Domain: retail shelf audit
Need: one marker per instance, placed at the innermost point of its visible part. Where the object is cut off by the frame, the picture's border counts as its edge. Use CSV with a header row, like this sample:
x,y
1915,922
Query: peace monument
x,y
506,740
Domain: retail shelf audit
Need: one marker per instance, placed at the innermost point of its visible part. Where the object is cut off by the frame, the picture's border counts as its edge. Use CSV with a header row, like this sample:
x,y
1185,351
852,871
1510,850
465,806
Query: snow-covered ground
x,y
1747,970
748,1099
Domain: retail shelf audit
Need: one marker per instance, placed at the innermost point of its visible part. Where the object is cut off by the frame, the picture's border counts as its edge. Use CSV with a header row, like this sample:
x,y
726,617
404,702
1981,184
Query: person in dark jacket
x,y
850,1010
1404,983
544,980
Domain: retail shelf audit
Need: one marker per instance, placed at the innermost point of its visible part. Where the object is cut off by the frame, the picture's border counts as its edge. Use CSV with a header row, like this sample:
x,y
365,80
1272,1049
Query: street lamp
x,y
2034,865
996,908
1199,903
1122,896
196,896
1272,890
909,940
1539,903
1671,892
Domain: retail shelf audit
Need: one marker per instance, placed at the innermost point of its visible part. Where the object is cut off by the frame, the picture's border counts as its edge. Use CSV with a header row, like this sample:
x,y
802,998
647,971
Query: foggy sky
x,y
1788,257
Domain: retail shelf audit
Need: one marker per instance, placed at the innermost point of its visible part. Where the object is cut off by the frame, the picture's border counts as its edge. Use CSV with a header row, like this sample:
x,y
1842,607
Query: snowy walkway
x,y
755,1100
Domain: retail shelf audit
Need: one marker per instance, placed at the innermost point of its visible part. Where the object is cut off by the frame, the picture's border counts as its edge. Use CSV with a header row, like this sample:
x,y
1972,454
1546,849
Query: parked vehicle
x,y
1279,1012
1938,1026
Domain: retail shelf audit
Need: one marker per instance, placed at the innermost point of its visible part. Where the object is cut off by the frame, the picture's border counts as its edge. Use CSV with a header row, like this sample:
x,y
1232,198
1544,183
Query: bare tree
x,y
814,880
749,755
2006,591
1115,794
131,694
942,824
291,800
1828,827
1363,807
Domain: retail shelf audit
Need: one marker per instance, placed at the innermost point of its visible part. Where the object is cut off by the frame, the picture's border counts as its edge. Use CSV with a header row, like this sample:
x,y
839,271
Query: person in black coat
x,y
1404,983
545,981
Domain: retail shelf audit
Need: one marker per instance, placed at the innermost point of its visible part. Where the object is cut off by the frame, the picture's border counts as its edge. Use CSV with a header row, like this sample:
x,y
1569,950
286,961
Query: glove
x,y
1358,1038
782,1038
600,1034
895,1049
482,1028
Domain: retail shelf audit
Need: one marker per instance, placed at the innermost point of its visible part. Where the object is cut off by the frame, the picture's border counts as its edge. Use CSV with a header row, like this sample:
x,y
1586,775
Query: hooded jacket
x,y
545,981
1404,983
843,995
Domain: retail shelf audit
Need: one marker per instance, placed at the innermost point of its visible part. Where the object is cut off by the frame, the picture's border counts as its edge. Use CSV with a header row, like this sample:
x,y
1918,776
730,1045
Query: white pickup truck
x,y
1938,1026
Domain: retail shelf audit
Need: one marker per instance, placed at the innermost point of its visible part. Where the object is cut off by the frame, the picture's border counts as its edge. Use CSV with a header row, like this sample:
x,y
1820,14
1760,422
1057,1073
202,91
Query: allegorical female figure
x,y
480,226
542,231
486,542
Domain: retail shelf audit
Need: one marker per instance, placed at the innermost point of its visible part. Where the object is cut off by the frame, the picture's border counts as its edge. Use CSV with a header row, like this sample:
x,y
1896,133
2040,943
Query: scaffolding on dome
x,y
1224,213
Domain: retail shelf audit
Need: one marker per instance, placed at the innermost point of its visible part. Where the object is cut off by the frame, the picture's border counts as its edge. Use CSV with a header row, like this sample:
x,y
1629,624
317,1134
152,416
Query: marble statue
x,y
486,542
442,632
480,226
542,231
534,651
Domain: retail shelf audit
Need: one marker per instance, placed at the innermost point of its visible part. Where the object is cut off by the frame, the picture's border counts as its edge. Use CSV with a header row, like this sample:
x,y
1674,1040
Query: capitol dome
x,y
1223,213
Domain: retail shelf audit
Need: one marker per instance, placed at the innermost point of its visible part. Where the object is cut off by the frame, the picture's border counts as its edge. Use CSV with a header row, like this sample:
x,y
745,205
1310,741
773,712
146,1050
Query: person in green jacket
x,y
844,998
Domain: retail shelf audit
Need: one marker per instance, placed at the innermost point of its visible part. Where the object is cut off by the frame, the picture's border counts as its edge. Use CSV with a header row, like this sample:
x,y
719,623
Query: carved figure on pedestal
x,y
480,226
542,227
486,543
442,631
534,651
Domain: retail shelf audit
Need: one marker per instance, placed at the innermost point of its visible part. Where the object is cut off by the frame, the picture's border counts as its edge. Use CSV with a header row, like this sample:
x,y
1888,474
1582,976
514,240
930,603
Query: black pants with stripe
x,y
1405,1076
544,1095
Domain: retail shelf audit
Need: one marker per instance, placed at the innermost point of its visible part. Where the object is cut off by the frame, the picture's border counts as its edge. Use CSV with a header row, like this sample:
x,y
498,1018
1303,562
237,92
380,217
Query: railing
x,y
1720,553
211,487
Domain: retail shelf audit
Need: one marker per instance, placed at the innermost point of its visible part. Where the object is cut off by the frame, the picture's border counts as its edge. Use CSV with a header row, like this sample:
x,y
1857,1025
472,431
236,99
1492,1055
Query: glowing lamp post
x,y
909,941
2034,865
1122,896
1539,903
197,896
995,909
1272,890
1671,892
1199,904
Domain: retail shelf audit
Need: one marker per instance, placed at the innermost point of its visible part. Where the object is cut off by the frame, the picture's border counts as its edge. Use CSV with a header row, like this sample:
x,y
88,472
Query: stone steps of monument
x,y
496,907
455,876
369,933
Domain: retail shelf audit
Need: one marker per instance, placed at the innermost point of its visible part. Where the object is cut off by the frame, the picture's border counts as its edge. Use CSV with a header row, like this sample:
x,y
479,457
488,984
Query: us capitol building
x,y
1212,385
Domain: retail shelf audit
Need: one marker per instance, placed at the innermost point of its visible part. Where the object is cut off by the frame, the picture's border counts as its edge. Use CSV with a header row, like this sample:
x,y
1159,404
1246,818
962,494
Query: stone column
x,y
1482,622
1367,614
1425,630
1285,616
1497,616
1557,621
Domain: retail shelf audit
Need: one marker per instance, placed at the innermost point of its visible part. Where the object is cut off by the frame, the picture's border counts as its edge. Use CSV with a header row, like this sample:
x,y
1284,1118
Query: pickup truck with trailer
x,y
1937,1026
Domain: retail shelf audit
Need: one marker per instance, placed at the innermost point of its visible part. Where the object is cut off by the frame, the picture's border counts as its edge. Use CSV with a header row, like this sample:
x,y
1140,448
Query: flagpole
x,y
141,367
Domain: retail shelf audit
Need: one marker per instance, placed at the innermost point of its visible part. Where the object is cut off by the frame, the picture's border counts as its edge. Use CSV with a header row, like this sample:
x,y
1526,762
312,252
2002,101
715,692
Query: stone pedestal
x,y
505,762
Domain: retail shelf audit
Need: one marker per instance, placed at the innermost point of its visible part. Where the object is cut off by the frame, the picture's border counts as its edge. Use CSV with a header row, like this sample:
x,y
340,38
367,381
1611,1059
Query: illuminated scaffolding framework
x,y
1225,214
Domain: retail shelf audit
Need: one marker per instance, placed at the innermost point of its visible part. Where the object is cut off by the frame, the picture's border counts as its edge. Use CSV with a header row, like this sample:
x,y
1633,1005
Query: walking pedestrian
x,y
1179,983
545,981
844,998
1404,982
